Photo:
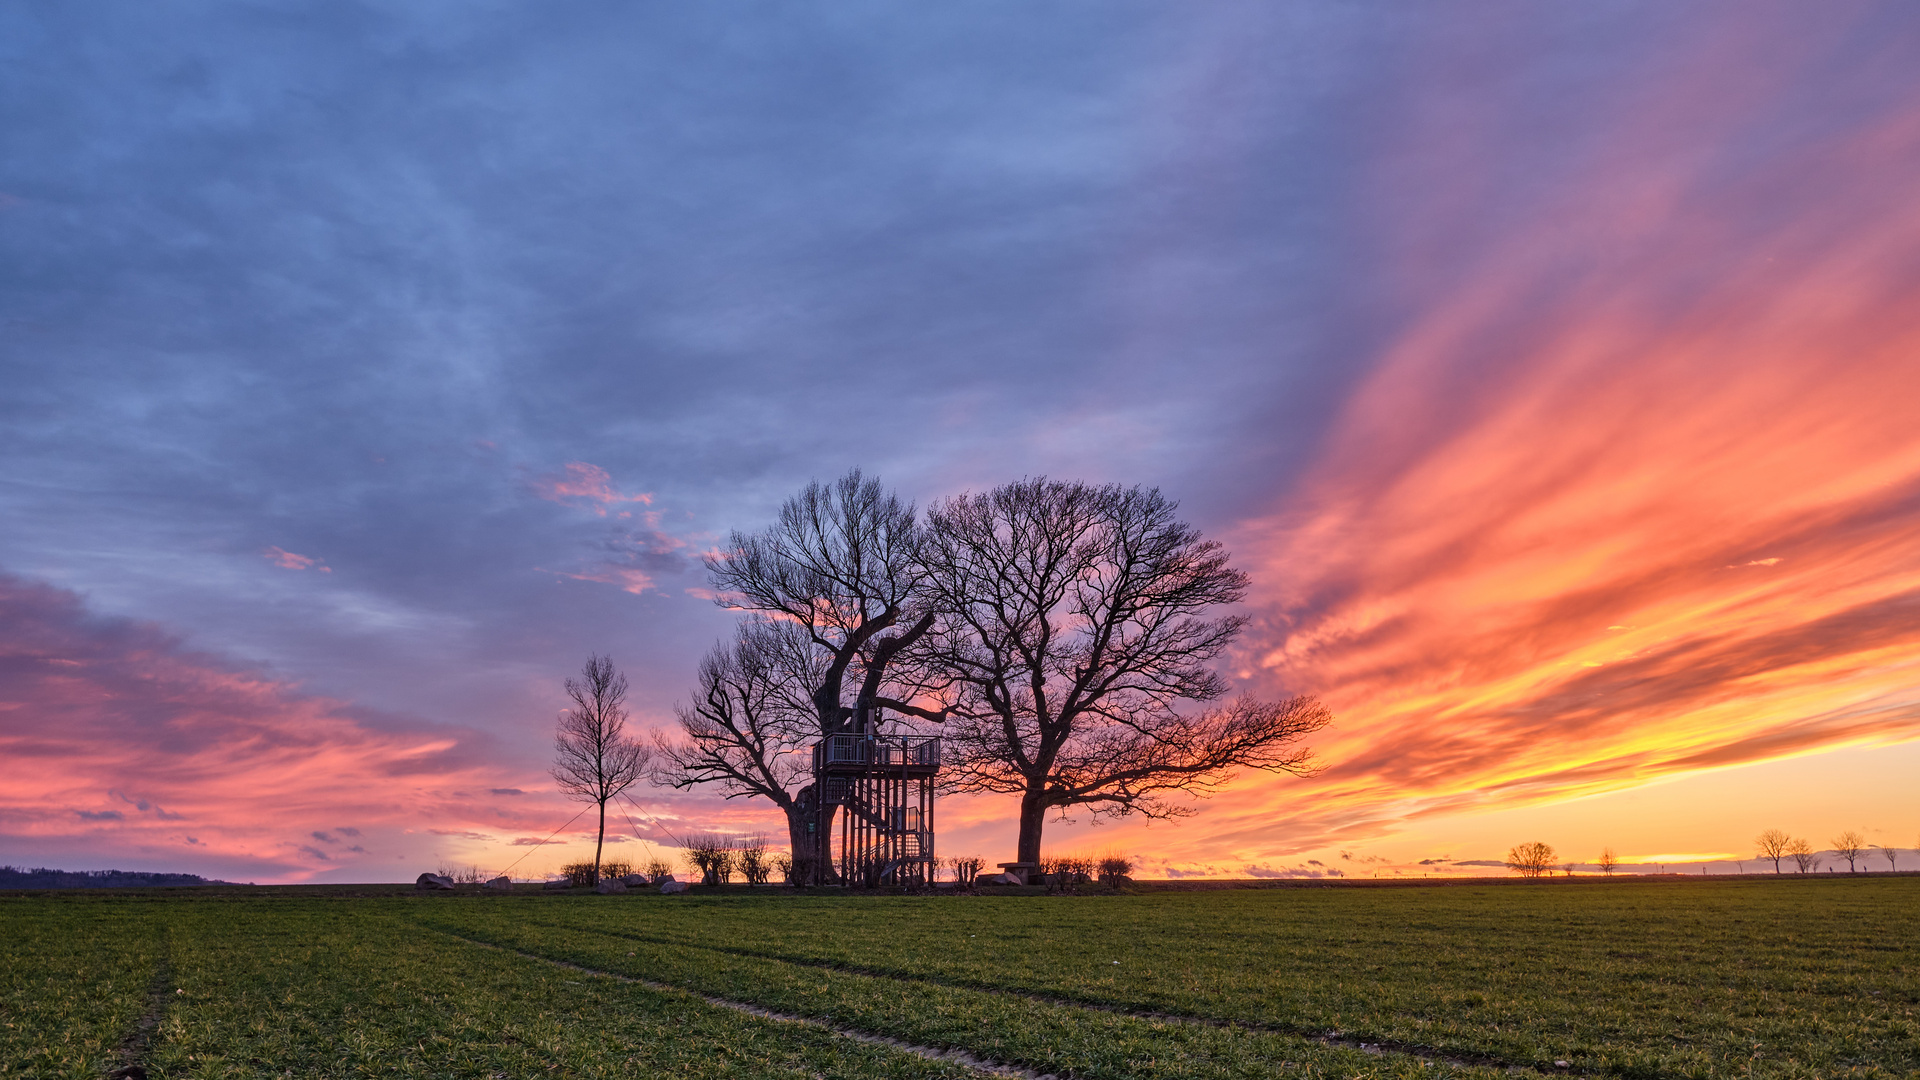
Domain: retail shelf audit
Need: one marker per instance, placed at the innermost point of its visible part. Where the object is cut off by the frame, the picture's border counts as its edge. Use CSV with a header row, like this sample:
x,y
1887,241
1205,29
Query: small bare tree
x,y
1773,845
1534,859
1074,639
965,868
753,862
1849,845
1607,861
1892,856
1803,855
593,758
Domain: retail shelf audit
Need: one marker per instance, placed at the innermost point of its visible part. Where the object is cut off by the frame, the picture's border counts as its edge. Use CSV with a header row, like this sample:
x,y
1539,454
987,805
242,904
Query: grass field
x,y
1731,978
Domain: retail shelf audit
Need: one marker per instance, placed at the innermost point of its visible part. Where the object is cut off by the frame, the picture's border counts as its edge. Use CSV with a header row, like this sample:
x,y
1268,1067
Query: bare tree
x,y
1533,859
1849,845
1892,856
1773,844
750,725
841,567
1607,861
1073,642
1803,856
593,758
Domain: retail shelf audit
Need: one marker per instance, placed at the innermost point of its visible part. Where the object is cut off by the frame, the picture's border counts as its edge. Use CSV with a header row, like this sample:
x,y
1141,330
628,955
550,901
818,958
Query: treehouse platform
x,y
883,788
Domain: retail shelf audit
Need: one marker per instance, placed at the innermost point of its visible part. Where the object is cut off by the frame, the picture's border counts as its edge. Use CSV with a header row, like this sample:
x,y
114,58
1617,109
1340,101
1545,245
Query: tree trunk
x,y
1033,815
600,842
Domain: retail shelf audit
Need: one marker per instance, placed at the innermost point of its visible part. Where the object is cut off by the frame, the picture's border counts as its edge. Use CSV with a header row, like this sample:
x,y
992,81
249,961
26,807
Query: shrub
x,y
1114,869
615,870
464,875
579,875
965,869
713,857
754,864
659,869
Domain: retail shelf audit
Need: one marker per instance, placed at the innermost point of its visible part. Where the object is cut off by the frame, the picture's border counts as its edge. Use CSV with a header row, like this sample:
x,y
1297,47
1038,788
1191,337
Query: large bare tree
x,y
594,759
1075,637
750,724
841,566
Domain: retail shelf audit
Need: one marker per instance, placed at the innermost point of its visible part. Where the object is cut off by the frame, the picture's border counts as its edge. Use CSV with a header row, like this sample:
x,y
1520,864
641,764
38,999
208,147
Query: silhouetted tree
x,y
1848,845
1892,856
1531,859
593,758
1803,856
840,566
750,724
1607,861
1074,637
1772,844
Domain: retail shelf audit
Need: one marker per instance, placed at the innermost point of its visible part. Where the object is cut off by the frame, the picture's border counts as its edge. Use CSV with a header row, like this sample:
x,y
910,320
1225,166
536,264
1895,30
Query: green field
x,y
1750,977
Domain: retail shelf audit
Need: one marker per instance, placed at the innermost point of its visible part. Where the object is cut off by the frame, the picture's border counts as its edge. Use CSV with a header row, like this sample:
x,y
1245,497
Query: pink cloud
x,y
282,557
123,744
580,480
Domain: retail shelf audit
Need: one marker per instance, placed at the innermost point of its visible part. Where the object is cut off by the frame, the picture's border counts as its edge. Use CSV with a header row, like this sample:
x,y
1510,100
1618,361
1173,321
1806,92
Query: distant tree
x,y
1891,855
1076,630
1849,845
594,760
1531,859
1607,861
752,859
1803,855
1773,844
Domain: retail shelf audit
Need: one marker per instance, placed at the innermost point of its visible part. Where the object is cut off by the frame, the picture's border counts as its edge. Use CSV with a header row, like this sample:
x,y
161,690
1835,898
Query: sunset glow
x,y
1554,378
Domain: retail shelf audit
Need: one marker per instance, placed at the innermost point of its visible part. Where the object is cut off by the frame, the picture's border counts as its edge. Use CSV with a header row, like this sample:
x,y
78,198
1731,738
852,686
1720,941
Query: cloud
x,y
1506,572
580,481
505,791
284,558
216,741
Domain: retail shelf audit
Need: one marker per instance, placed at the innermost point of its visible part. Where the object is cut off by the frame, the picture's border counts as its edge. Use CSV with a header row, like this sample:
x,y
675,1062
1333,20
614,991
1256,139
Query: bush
x,y
579,875
1114,869
659,870
965,869
615,870
755,866
713,857
464,875
1064,872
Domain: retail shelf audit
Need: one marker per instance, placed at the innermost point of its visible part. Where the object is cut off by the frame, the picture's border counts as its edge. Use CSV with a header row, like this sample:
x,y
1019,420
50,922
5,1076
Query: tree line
x,y
1059,636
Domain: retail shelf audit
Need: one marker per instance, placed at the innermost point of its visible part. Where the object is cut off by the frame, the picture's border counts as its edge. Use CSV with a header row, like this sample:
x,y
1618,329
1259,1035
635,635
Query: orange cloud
x,y
1636,497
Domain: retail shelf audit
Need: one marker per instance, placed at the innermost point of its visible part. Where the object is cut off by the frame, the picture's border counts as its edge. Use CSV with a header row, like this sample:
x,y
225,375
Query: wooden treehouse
x,y
883,788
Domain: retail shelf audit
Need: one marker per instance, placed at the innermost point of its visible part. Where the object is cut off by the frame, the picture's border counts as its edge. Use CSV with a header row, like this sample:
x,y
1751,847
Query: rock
x,y
432,881
635,881
563,883
663,879
608,887
672,887
999,879
503,883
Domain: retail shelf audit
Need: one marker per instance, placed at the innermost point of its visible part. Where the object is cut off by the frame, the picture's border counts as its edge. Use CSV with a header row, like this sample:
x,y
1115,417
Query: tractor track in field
x,y
1332,1039
932,1053
138,1043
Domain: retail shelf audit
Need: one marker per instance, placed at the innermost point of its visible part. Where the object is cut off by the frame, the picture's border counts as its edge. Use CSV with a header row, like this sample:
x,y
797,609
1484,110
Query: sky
x,y
1551,370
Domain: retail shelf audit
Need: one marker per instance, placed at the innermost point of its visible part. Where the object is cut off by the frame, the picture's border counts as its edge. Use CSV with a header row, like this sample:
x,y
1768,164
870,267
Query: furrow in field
x,y
1037,1035
1366,1043
991,1068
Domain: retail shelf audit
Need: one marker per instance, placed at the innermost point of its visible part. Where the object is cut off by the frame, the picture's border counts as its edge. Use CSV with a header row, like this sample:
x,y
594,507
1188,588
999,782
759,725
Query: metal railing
x,y
880,750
